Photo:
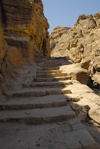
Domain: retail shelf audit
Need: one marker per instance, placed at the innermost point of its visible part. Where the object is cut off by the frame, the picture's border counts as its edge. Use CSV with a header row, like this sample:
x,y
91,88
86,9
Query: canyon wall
x,y
23,36
80,43
25,27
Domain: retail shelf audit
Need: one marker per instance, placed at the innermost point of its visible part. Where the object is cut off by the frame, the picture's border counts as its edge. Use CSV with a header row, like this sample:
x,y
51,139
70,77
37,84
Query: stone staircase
x,y
44,101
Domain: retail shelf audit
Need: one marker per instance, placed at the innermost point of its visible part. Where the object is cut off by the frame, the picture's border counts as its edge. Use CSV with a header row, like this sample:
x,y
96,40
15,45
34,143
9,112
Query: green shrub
x,y
52,45
99,94
82,35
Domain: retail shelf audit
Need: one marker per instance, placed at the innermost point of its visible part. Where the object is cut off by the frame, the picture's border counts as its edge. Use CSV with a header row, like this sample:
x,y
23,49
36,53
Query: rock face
x,y
25,27
58,32
23,36
81,44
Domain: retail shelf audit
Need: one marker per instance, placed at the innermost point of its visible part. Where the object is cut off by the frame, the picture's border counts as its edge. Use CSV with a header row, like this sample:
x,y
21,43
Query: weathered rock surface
x,y
23,36
58,32
81,43
26,27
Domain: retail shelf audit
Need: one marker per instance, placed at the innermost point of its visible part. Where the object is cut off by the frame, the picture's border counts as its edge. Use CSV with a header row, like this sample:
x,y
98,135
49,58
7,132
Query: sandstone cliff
x,y
81,44
25,27
23,36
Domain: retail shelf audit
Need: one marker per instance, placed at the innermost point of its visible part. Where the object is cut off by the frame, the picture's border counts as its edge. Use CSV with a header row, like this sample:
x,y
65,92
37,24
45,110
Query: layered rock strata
x,y
23,36
25,27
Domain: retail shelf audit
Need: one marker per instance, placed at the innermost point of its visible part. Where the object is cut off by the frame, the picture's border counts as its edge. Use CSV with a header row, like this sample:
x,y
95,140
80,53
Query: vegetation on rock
x,y
52,45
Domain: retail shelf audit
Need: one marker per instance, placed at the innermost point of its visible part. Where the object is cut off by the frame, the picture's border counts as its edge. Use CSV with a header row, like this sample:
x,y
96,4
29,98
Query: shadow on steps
x,y
47,100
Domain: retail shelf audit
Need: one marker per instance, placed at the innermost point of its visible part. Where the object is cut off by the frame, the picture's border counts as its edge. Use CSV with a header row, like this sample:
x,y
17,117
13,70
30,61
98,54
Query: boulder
x,y
97,19
80,76
76,72
85,63
94,113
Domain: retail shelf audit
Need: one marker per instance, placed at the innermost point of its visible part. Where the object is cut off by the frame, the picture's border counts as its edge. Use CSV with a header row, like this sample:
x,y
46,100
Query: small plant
x,y
52,45
82,35
99,94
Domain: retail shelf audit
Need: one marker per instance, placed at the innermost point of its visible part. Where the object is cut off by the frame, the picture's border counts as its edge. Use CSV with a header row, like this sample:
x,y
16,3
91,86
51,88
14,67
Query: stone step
x,y
51,65
70,134
50,79
37,92
55,83
52,62
47,71
48,68
34,102
37,116
37,102
51,59
51,75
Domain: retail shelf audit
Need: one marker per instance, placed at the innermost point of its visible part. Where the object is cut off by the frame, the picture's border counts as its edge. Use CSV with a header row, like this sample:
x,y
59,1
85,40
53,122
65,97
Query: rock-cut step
x,y
51,75
37,116
49,79
48,68
38,92
34,102
48,71
53,83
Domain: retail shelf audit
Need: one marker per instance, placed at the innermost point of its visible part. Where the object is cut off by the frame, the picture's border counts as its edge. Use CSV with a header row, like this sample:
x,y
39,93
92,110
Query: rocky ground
x,y
49,109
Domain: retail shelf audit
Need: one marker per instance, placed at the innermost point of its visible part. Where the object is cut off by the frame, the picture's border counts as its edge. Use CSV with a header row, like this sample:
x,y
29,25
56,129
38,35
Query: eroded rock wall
x,y
81,44
25,27
23,36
